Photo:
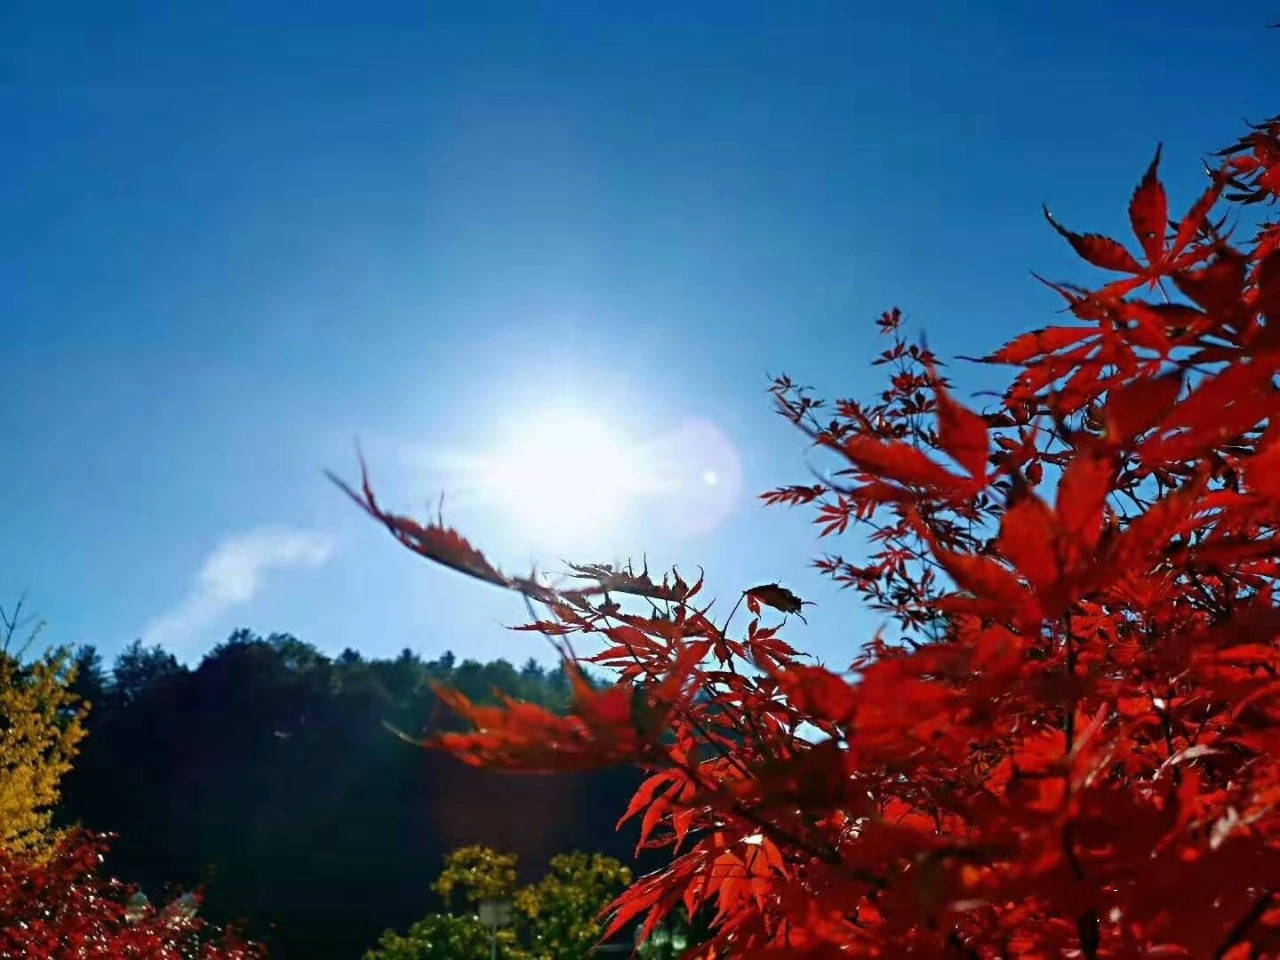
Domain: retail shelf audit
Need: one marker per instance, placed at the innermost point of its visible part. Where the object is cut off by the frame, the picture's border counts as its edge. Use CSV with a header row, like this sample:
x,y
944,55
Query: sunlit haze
x,y
563,473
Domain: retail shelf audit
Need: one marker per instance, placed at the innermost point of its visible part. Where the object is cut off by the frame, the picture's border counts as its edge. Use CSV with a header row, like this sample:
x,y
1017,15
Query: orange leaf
x,y
1137,407
1027,534
897,461
1082,496
1149,212
433,541
1037,343
818,693
963,435
1096,249
988,580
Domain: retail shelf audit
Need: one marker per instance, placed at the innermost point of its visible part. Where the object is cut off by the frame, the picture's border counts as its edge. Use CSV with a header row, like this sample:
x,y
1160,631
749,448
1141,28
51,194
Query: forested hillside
x,y
268,775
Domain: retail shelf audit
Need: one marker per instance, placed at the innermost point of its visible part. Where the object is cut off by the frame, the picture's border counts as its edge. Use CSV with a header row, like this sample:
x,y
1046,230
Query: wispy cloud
x,y
232,575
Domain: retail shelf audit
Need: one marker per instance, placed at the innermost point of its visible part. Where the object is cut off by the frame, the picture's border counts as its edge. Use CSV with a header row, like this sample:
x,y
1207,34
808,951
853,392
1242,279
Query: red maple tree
x,y
63,907
1070,748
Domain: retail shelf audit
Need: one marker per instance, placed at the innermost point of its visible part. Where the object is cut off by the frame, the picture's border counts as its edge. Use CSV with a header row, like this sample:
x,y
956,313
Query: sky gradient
x,y
240,237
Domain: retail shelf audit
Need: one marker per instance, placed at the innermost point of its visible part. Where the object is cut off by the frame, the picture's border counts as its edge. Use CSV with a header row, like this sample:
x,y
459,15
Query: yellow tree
x,y
478,873
41,725
557,918
562,910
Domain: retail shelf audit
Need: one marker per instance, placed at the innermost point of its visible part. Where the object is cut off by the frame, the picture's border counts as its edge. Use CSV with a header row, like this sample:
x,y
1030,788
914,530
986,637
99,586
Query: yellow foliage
x,y
479,873
41,725
563,908
557,918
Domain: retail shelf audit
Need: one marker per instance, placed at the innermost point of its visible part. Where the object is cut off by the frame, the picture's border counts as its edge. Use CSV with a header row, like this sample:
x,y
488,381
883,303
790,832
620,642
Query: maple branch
x,y
691,718
1087,923
1242,926
1087,929
964,949
889,537
751,720
768,826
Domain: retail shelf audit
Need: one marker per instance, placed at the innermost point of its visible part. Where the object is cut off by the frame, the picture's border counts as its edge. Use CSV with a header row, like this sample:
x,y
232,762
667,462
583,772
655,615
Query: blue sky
x,y
239,236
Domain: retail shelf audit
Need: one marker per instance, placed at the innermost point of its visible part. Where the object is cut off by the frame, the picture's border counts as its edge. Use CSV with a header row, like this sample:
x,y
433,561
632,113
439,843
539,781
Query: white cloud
x,y
232,575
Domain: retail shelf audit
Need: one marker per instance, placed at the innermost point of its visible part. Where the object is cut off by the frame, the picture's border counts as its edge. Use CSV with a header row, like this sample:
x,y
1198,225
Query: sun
x,y
575,478
563,474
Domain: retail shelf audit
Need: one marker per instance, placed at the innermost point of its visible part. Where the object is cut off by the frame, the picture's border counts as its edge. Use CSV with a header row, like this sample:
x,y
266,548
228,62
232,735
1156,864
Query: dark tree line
x,y
268,776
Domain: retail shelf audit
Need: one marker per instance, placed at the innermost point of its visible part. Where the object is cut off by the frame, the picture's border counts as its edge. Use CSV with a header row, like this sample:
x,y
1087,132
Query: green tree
x,y
138,669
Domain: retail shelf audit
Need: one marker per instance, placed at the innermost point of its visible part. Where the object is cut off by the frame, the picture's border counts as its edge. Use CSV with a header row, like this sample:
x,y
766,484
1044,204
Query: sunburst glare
x,y
564,473
566,478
